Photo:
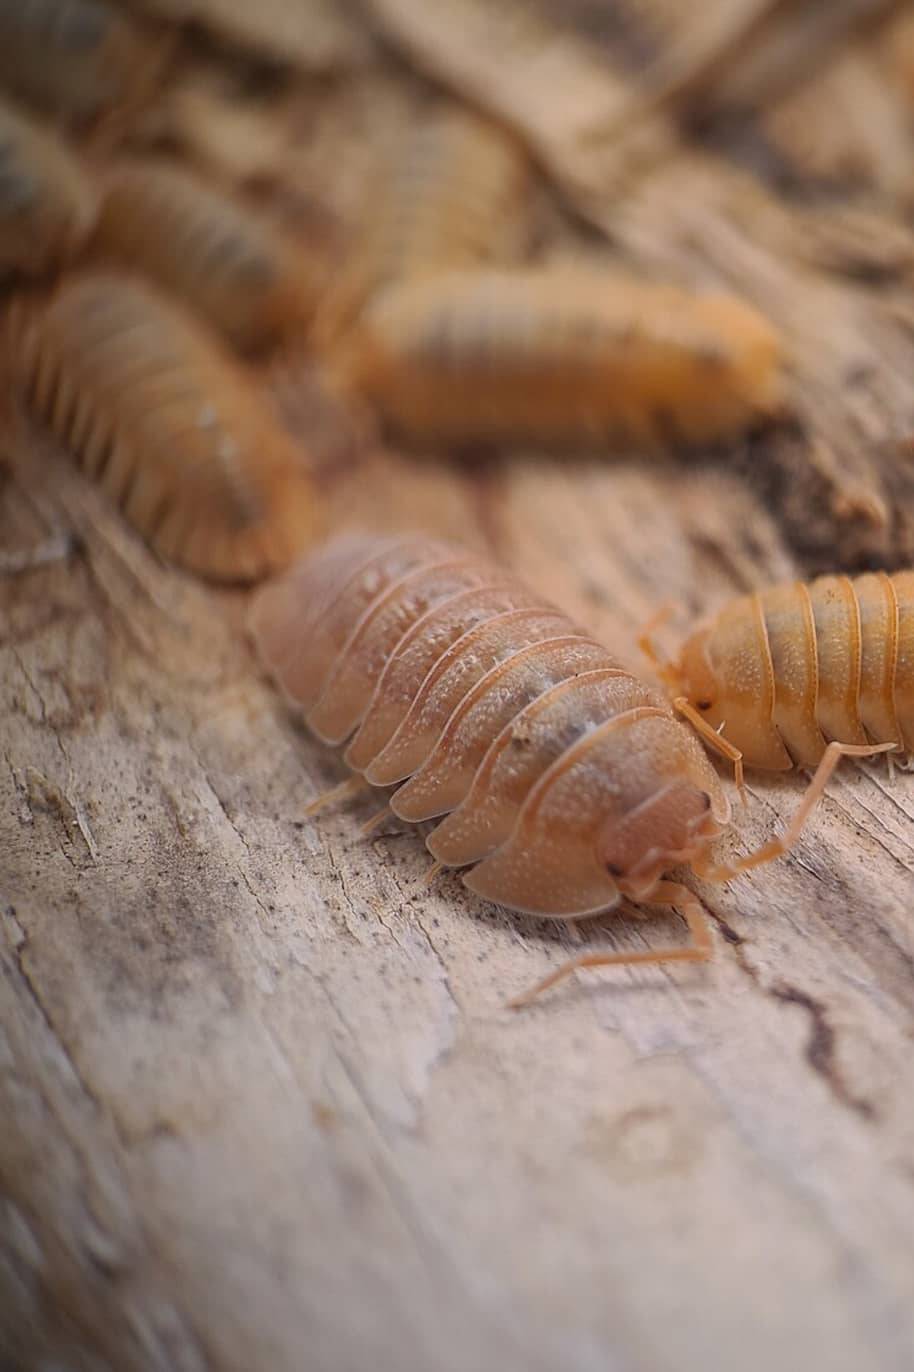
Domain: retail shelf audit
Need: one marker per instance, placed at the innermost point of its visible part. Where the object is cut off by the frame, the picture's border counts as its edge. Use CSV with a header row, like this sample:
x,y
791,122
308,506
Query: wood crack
x,y
821,1050
821,1047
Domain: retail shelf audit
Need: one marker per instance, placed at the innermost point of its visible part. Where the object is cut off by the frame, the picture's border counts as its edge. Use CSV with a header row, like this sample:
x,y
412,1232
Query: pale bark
x,y
262,1104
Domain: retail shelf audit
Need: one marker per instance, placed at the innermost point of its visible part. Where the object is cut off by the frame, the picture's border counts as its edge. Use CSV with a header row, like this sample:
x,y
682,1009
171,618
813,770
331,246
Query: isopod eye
x,y
704,704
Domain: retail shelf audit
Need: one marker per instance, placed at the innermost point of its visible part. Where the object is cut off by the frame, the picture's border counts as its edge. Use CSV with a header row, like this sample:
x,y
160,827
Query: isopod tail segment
x,y
673,894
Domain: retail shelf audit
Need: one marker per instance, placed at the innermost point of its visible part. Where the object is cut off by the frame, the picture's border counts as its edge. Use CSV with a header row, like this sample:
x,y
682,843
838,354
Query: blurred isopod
x,y
455,196
76,59
564,354
166,422
47,204
223,260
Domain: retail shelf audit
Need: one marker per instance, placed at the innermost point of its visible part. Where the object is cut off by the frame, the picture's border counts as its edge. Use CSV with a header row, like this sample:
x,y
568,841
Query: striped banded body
x,y
47,204
169,425
564,354
787,670
223,260
74,58
559,778
454,197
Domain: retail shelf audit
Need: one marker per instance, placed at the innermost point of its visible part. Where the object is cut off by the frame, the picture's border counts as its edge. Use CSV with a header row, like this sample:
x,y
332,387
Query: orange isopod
x,y
564,353
454,197
561,780
166,421
74,58
775,677
225,261
47,204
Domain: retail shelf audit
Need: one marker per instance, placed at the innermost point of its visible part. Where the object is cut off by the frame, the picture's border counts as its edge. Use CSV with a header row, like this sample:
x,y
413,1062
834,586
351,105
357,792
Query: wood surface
x,y
263,1108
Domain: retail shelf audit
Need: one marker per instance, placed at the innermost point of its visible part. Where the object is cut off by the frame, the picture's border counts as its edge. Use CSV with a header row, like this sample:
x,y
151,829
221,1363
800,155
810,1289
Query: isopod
x,y
454,197
776,677
564,353
166,422
74,58
47,204
226,262
556,776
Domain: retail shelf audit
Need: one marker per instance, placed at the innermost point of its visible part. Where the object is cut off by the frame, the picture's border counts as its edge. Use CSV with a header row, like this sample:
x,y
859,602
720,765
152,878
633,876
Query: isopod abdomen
x,y
559,354
223,260
169,425
781,673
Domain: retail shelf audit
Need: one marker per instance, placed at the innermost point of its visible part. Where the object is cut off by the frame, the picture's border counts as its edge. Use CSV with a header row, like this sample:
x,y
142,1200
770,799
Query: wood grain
x,y
264,1106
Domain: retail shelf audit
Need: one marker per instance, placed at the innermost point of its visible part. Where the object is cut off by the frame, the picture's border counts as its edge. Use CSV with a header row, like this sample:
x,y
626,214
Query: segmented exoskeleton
x,y
561,354
454,197
169,425
74,58
226,262
557,776
778,675
47,204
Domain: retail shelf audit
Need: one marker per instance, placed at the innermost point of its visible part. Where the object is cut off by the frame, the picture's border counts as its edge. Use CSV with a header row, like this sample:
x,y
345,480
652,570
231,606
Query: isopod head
x,y
631,799
725,674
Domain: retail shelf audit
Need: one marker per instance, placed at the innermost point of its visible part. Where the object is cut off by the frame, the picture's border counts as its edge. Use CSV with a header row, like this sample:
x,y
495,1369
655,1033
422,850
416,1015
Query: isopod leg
x,y
55,548
350,787
714,740
776,847
56,545
665,893
662,665
375,822
432,875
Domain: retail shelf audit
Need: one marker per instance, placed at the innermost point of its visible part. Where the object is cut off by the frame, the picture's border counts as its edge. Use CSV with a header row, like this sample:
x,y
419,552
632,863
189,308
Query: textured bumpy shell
x,y
47,204
787,670
224,261
454,198
168,424
564,353
74,58
565,779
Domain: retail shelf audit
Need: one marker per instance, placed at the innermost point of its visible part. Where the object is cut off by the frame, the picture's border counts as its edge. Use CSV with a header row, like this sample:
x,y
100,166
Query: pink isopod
x,y
558,779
